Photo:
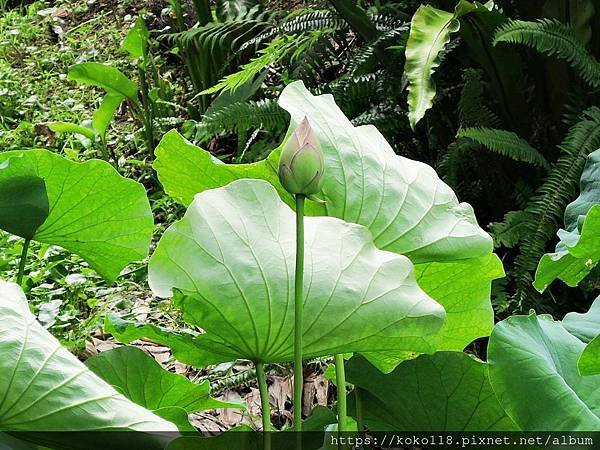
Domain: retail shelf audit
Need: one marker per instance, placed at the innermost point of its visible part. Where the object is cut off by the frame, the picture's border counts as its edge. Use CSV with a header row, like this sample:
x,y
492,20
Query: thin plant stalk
x,y
298,319
22,261
147,113
265,405
340,379
359,409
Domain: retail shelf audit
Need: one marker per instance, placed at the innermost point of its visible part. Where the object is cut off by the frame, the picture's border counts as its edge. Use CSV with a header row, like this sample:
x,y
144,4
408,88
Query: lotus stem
x,y
298,323
265,405
340,378
22,261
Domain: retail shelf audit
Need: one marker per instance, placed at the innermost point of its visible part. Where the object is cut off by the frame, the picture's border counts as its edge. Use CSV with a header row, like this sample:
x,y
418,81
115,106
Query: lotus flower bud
x,y
301,164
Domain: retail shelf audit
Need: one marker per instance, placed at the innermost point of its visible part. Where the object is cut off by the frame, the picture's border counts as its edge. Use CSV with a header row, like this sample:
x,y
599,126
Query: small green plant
x,y
143,103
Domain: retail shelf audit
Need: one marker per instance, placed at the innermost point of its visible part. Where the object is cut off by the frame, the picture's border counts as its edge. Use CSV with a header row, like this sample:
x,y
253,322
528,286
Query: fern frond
x,y
210,51
310,21
265,114
275,51
322,20
545,209
384,117
472,108
366,53
505,143
454,158
552,38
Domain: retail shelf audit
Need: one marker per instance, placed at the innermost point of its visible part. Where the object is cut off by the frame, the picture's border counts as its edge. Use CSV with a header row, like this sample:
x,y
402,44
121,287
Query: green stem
x,y
359,409
340,380
298,325
265,405
22,261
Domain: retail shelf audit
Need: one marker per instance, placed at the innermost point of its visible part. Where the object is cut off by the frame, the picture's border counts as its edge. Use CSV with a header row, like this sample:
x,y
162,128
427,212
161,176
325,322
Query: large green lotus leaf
x,y
447,391
534,358
45,388
92,210
109,78
430,31
143,381
578,251
589,192
230,258
585,326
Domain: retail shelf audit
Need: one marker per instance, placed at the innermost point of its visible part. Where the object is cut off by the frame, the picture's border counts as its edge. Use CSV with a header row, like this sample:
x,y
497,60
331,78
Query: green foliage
x,y
552,38
578,251
275,51
505,143
46,388
111,79
242,116
136,41
212,49
472,107
534,227
226,263
430,32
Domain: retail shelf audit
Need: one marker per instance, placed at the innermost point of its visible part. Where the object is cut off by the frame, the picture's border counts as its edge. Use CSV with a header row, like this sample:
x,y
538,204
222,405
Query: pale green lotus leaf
x,y
589,361
585,326
578,251
231,257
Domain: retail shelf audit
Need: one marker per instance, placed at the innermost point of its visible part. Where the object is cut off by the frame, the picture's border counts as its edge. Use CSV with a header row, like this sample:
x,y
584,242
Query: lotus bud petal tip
x,y
301,164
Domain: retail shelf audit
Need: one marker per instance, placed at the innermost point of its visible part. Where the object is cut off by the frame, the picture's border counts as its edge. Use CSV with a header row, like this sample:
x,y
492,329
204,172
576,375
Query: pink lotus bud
x,y
301,163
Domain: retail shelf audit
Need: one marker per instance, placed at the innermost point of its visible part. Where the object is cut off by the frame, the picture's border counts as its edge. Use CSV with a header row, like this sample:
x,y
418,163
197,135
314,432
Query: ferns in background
x,y
472,107
552,38
264,114
533,227
505,143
